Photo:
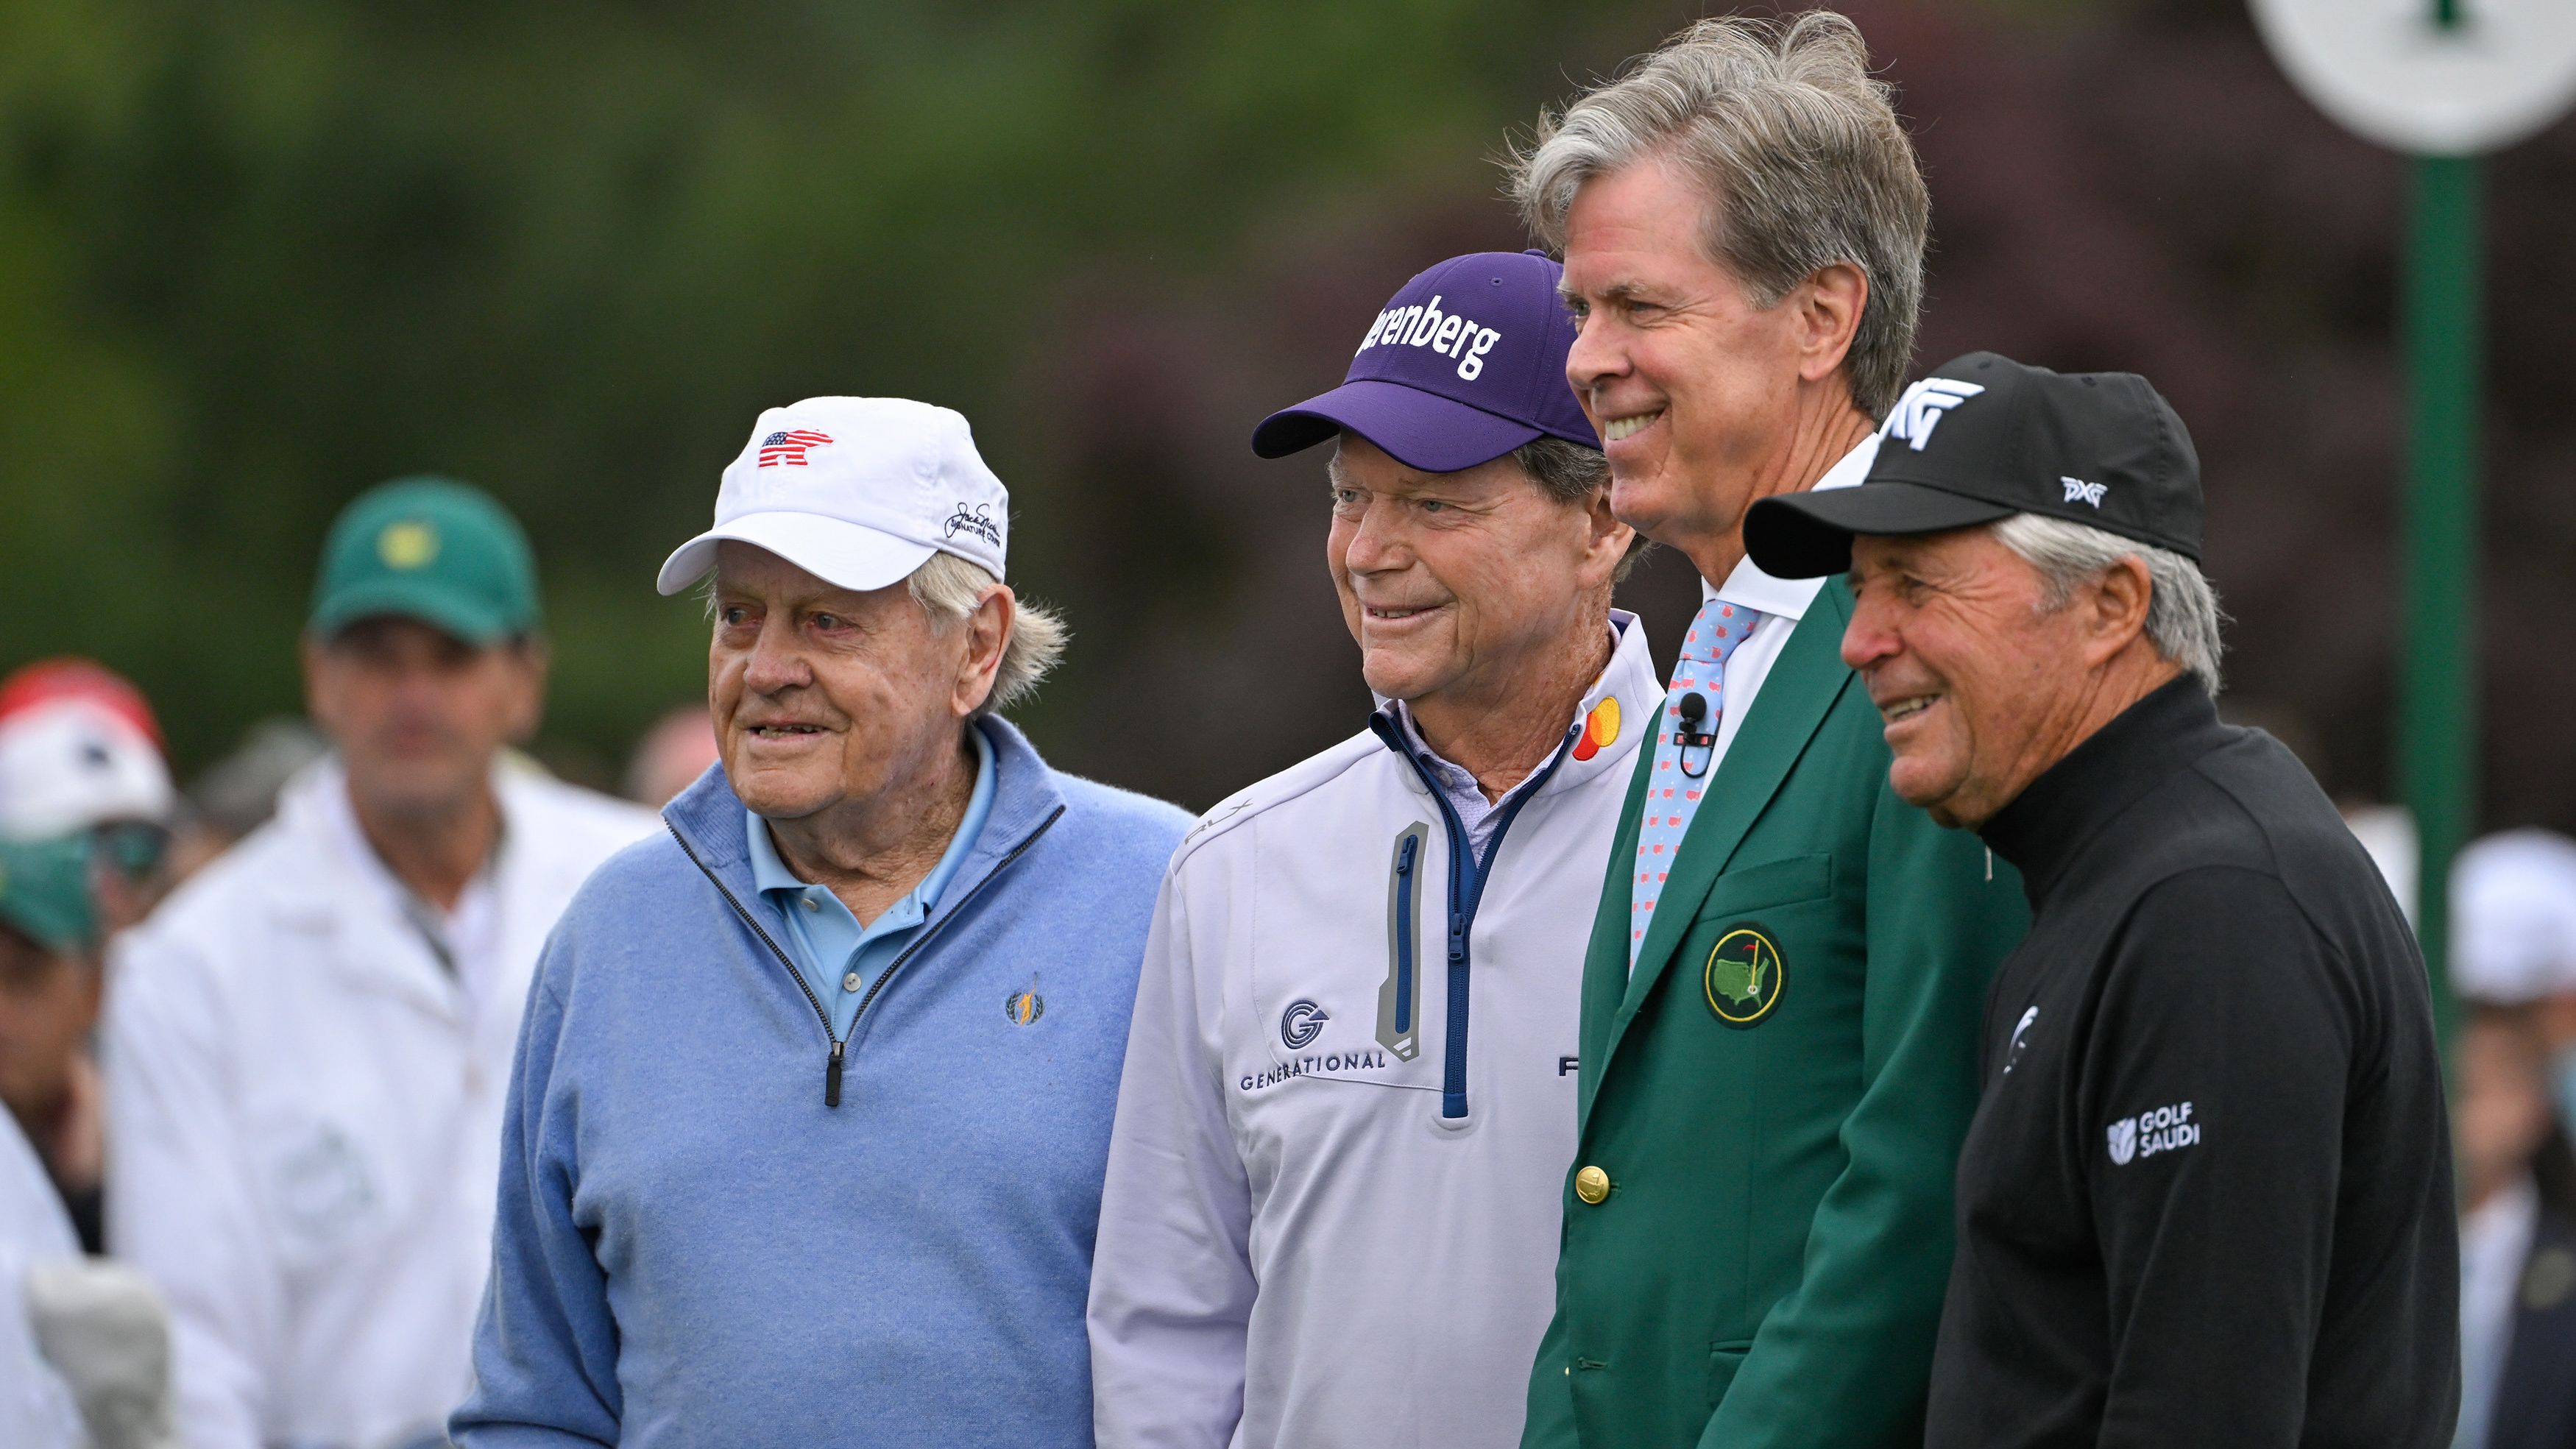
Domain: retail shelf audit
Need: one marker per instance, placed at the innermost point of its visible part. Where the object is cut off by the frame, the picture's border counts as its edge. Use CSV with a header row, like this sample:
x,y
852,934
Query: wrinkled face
x,y
1452,582
1690,384
48,1003
417,714
1967,663
822,695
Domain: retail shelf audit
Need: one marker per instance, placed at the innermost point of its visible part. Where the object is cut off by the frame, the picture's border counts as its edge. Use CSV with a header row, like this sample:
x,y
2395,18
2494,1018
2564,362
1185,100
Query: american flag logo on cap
x,y
788,448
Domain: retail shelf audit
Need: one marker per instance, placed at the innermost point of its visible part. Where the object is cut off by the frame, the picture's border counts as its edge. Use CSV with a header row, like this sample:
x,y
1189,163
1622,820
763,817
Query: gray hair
x,y
948,588
1798,151
2183,617
1568,472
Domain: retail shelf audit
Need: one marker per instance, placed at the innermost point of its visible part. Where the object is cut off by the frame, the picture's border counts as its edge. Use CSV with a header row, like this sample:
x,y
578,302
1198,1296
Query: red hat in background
x,y
78,747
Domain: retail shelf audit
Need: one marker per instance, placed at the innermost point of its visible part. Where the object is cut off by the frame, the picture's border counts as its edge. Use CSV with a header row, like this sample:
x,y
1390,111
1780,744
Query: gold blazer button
x,y
1592,1185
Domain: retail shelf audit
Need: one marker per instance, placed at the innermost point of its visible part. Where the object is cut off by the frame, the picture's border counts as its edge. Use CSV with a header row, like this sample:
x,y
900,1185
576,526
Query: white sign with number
x,y
2391,70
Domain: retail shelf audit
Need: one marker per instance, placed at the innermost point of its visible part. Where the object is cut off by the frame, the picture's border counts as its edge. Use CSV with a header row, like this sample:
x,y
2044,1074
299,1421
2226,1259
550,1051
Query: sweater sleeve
x,y
1171,1279
545,1349
1845,1358
2212,1098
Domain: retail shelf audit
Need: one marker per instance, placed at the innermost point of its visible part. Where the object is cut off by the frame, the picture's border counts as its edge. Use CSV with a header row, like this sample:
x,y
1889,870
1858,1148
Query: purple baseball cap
x,y
1464,365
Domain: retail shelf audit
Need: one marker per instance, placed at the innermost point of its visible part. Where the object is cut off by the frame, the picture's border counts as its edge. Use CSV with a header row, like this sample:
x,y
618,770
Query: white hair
x,y
2183,617
1798,151
949,588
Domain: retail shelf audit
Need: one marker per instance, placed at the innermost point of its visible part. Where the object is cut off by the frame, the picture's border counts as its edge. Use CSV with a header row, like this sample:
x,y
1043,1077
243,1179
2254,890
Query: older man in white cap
x,y
811,1113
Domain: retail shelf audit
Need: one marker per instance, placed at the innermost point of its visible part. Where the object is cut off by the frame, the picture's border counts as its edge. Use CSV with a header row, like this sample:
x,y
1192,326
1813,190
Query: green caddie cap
x,y
44,892
429,549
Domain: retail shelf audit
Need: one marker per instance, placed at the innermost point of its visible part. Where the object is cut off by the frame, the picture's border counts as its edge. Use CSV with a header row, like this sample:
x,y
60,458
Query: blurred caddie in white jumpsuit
x,y
308,1046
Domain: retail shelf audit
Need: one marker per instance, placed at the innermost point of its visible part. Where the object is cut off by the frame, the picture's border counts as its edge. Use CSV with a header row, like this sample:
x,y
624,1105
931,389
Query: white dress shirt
x,y
1783,603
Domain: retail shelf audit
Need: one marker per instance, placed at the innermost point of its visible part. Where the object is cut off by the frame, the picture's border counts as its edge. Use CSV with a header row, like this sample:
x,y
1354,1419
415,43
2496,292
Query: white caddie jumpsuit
x,y
305,1115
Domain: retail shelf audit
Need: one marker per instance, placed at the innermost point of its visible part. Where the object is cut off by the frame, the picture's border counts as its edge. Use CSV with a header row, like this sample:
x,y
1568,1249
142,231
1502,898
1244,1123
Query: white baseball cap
x,y
857,491
68,764
2513,917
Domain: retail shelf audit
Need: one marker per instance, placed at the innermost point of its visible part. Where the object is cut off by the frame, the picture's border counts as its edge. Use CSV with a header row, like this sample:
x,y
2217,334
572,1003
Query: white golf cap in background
x,y
2513,917
857,491
69,764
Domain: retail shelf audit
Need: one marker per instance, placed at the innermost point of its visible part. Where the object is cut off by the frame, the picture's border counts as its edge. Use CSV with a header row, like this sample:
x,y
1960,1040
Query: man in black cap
x,y
2206,1198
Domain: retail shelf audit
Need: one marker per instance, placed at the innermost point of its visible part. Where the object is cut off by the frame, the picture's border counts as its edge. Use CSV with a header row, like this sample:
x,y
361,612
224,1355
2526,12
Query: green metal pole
x,y
2437,737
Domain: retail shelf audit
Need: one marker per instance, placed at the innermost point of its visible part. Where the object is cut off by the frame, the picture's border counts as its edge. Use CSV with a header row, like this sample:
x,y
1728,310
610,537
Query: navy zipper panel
x,y
1404,942
1467,877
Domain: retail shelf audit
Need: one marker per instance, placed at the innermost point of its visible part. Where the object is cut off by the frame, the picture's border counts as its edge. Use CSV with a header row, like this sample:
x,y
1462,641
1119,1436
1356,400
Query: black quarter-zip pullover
x,y
2206,1198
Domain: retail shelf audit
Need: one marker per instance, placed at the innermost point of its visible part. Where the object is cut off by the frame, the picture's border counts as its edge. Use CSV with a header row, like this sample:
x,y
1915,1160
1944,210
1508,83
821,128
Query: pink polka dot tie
x,y
1682,769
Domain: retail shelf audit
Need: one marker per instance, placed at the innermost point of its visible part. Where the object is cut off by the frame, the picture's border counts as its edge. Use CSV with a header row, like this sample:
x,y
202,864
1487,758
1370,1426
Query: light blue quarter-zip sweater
x,y
695,1248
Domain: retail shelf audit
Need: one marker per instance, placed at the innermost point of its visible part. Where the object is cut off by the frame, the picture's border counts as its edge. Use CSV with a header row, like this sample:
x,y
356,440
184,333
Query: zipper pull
x,y
832,1077
1404,858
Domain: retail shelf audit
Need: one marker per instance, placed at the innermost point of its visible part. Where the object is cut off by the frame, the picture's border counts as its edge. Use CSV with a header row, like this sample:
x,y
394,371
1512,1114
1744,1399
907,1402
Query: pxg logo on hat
x,y
1465,364
1986,437
429,549
857,491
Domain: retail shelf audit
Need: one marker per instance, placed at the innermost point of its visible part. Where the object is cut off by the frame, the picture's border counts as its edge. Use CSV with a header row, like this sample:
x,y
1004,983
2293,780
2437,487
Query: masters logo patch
x,y
1744,976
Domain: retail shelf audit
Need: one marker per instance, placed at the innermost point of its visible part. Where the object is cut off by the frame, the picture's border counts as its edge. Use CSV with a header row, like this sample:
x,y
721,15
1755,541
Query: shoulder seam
x,y
1256,798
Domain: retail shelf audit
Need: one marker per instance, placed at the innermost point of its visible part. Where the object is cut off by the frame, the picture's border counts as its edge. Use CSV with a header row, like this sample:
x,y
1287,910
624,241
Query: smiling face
x,y
1982,681
1696,391
823,696
1455,583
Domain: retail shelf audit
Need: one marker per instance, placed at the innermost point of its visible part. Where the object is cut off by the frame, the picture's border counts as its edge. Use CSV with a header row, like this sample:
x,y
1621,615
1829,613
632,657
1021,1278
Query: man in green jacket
x,y
1782,992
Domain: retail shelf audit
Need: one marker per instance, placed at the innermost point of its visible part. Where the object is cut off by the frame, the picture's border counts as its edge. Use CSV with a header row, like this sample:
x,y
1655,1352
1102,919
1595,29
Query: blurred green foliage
x,y
255,257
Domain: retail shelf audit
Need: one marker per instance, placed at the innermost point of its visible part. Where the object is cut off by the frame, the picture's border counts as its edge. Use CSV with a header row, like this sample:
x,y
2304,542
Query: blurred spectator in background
x,y
49,995
80,760
671,756
238,793
2517,1240
307,1047
80,752
83,1345
44,943
2513,939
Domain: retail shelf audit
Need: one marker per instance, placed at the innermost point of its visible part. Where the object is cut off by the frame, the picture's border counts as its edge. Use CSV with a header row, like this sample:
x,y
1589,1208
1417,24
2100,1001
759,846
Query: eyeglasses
x,y
135,849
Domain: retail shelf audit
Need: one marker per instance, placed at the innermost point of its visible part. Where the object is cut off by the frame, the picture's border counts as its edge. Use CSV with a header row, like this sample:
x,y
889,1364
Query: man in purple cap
x,y
1331,1210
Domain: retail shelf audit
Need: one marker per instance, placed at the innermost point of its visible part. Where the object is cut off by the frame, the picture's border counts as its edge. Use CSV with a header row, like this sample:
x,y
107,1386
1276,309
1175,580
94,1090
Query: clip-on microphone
x,y
1694,709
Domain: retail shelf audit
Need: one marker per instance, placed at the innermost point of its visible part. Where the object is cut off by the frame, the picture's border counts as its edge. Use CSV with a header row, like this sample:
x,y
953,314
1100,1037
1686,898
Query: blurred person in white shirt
x,y
308,1045
80,758
2517,1239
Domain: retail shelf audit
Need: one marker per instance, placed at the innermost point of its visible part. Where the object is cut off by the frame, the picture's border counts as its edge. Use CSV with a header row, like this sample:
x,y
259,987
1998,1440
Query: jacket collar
x,y
1795,698
710,821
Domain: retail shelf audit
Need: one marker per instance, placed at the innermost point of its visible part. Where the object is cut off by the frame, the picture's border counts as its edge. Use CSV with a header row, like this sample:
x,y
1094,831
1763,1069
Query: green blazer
x,y
1776,1096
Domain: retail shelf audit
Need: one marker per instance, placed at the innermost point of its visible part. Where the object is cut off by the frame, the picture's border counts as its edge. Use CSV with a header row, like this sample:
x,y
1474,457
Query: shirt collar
x,y
770,873
1603,684
1749,587
2042,829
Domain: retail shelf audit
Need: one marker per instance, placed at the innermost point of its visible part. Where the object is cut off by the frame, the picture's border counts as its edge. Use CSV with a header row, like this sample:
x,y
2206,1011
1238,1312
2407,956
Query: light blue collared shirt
x,y
837,956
